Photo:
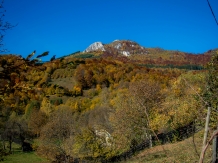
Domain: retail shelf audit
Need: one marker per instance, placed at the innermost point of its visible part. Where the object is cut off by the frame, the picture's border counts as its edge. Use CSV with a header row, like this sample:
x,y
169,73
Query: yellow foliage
x,y
46,106
77,90
98,87
95,102
160,122
117,96
76,106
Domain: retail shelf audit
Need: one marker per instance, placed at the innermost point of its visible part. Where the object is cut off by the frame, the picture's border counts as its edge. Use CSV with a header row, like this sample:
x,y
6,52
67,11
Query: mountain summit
x,y
144,55
123,47
96,46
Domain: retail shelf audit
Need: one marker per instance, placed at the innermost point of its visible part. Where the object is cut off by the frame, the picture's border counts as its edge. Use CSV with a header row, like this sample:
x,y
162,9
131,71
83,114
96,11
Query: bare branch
x,y
205,148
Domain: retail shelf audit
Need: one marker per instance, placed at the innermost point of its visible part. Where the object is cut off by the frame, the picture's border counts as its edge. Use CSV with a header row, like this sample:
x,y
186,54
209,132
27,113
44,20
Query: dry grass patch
x,y
186,151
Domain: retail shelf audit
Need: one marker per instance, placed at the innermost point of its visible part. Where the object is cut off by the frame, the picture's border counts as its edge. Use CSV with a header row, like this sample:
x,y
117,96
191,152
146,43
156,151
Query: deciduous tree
x,y
210,99
55,133
131,119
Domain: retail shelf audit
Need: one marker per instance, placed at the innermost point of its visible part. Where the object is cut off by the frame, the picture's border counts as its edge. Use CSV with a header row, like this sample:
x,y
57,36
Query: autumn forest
x,y
95,106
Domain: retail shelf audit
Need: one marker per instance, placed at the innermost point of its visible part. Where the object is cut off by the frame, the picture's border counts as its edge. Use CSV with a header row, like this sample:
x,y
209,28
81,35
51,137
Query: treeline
x,y
188,67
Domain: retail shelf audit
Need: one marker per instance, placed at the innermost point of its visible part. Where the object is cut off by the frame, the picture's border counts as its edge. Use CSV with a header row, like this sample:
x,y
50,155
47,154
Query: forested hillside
x,y
98,106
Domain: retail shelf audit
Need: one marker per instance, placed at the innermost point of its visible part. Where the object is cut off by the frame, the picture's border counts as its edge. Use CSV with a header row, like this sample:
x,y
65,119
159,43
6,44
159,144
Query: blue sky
x,y
65,26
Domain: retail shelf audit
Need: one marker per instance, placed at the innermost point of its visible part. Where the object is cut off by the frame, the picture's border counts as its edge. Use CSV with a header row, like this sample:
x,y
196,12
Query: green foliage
x,y
188,67
84,56
20,157
3,153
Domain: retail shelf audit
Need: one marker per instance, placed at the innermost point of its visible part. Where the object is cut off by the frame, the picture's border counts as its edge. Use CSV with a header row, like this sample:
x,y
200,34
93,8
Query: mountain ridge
x,y
129,46
122,47
134,52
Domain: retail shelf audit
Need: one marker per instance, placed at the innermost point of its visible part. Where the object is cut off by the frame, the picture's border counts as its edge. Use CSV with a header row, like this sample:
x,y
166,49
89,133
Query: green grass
x,y
84,56
20,157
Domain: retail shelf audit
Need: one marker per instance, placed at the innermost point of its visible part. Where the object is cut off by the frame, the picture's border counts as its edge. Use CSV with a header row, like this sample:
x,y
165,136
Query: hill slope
x,y
180,152
95,99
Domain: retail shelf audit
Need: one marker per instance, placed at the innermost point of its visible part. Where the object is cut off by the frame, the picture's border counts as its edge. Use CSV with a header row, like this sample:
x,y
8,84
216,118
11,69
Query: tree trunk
x,y
205,134
150,141
215,149
10,146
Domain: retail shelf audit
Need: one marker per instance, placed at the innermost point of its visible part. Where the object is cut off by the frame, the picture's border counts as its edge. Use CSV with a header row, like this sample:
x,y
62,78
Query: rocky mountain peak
x,y
122,47
95,47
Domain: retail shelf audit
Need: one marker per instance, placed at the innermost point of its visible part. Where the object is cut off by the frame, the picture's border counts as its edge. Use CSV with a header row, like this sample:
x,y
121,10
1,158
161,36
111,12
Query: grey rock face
x,y
95,46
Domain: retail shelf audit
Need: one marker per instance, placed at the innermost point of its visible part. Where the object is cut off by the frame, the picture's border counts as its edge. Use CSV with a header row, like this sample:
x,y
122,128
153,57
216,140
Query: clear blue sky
x,y
65,26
